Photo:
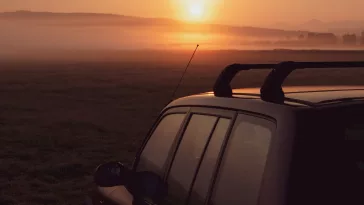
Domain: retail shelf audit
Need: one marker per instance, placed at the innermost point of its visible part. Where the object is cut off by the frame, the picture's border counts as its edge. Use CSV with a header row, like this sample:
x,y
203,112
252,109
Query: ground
x,y
62,116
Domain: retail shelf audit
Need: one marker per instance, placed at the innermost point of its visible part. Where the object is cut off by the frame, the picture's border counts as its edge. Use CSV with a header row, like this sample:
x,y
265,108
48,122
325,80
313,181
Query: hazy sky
x,y
241,12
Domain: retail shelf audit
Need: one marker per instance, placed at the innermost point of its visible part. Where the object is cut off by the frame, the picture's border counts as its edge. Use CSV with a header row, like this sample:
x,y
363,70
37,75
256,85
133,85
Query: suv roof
x,y
272,93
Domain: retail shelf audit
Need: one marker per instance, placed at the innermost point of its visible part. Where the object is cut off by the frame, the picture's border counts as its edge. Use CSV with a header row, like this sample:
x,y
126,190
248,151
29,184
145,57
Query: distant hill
x,y
337,27
81,17
99,19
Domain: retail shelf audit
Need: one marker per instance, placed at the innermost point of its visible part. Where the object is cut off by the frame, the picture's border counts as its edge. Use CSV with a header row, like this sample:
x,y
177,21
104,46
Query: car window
x,y
329,153
242,167
204,176
155,153
352,169
188,156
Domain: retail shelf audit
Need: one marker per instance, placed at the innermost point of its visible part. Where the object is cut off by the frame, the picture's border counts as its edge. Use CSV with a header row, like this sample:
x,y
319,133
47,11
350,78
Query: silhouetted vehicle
x,y
260,146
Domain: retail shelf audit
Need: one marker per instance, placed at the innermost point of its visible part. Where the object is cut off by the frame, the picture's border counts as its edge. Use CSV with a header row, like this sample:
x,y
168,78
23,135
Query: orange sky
x,y
240,12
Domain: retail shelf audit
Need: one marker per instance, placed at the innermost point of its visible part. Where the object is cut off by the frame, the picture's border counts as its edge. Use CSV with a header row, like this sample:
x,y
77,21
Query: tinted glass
x,y
204,176
331,156
243,163
352,171
156,151
188,156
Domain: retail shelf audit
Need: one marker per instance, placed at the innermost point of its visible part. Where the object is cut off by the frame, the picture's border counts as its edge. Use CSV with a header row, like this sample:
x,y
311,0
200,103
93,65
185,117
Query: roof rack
x,y
271,90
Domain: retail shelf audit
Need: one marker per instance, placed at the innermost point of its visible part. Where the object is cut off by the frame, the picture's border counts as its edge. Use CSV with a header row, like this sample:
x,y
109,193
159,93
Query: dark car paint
x,y
284,181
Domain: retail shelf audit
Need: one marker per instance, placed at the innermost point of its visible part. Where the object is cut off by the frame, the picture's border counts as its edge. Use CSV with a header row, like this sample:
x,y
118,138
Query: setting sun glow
x,y
196,11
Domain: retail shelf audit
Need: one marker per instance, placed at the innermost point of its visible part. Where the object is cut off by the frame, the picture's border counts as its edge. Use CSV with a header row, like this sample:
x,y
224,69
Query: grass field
x,y
63,114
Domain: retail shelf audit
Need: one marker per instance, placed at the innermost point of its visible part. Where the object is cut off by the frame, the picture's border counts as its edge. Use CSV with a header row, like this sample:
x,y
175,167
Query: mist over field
x,y
25,36
26,30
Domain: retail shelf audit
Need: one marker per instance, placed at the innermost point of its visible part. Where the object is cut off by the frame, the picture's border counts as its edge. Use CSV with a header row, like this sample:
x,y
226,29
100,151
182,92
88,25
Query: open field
x,y
62,114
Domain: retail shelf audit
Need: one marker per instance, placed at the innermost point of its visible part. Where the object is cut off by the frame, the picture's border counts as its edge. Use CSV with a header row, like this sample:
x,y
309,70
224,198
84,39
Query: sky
x,y
234,12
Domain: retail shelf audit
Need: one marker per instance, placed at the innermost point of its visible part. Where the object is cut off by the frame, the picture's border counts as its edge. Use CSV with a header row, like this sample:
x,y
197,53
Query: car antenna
x,y
184,72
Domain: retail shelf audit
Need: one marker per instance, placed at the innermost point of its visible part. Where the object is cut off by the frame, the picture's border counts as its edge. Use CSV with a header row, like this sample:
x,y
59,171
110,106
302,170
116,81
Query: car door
x,y
205,126
180,160
158,146
241,169
204,178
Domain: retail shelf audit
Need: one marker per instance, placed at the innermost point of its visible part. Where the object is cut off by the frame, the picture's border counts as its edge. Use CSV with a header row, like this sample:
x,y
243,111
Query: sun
x,y
196,11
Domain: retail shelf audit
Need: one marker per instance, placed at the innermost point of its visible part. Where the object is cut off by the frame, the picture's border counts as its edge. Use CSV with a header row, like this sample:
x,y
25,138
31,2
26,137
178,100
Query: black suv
x,y
261,146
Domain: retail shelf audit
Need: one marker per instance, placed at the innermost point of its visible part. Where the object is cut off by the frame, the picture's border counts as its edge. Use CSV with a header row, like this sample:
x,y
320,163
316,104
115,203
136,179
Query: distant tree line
x,y
330,38
316,39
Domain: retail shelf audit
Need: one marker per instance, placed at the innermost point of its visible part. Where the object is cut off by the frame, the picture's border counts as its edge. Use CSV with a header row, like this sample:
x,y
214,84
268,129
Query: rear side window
x,y
241,171
207,167
188,155
157,149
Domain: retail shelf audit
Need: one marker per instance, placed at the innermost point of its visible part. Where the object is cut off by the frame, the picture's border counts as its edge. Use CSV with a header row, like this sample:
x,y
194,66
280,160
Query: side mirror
x,y
142,185
112,174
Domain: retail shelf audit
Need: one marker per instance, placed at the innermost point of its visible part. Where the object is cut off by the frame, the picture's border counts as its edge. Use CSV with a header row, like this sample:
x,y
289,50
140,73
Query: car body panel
x,y
249,105
275,182
276,172
313,94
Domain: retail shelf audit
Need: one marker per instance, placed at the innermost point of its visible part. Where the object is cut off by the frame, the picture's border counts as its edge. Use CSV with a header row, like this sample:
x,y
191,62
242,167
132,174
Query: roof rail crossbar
x,y
271,91
222,86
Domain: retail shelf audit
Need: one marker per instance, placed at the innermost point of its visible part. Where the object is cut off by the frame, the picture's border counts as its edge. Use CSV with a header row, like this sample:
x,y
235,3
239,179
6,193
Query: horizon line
x,y
144,17
271,27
